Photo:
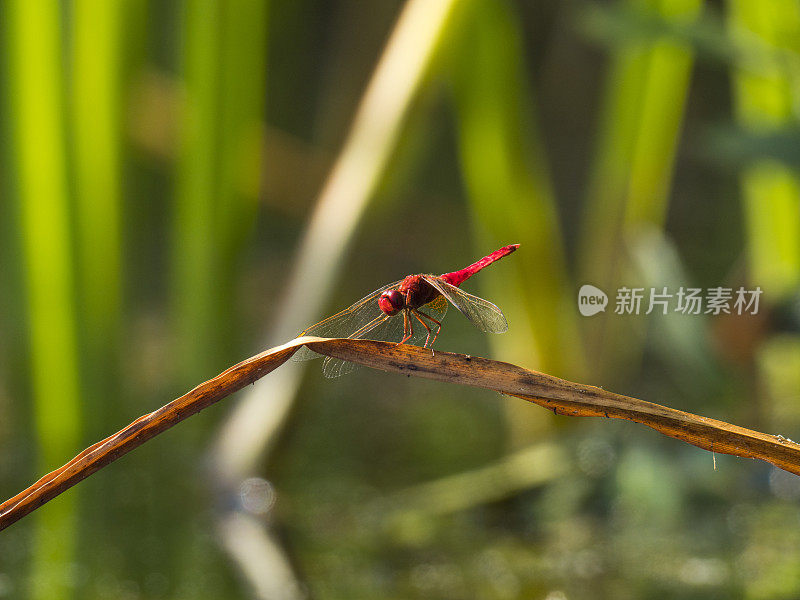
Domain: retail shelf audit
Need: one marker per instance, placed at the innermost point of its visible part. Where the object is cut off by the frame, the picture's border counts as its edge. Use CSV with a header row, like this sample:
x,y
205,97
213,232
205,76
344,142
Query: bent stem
x,y
561,396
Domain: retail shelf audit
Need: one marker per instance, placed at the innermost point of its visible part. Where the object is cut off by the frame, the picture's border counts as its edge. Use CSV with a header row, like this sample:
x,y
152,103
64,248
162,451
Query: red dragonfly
x,y
389,313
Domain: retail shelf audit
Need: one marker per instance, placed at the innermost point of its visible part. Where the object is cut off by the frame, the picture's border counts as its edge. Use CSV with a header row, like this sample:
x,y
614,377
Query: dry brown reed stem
x,y
560,396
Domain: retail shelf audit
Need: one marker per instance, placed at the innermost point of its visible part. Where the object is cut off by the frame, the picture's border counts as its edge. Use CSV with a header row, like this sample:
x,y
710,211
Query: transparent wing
x,y
388,329
383,328
437,308
346,322
483,314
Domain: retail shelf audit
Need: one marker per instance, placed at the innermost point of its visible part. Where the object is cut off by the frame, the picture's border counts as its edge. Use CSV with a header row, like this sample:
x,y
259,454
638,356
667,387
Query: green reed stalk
x,y
640,125
195,240
34,85
218,169
96,117
508,183
765,102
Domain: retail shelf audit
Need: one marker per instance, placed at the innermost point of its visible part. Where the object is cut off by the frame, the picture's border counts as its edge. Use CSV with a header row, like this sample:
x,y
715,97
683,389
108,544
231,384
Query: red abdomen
x,y
456,278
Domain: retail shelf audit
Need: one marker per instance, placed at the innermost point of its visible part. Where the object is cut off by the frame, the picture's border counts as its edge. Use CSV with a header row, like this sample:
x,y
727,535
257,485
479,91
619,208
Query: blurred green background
x,y
187,183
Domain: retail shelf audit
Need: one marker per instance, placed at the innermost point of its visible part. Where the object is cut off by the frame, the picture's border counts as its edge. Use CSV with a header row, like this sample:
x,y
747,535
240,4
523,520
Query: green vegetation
x,y
162,162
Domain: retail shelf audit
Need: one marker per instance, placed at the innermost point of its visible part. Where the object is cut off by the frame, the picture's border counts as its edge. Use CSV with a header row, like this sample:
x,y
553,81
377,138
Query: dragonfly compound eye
x,y
391,302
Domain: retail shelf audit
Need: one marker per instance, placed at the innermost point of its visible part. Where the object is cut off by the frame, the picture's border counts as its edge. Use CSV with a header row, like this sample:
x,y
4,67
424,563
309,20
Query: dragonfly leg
x,y
425,325
438,325
408,330
419,314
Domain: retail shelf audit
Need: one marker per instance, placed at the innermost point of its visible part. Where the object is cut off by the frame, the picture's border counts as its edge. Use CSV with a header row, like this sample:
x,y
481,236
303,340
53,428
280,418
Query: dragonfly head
x,y
391,302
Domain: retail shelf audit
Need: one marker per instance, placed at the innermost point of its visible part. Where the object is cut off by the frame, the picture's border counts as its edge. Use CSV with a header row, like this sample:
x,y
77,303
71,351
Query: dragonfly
x,y
408,310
